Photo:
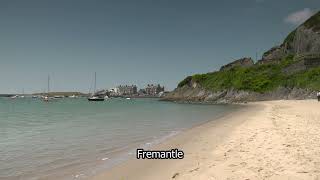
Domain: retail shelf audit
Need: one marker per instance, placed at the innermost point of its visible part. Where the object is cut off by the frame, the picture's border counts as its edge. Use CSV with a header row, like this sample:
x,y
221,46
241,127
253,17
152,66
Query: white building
x,y
114,90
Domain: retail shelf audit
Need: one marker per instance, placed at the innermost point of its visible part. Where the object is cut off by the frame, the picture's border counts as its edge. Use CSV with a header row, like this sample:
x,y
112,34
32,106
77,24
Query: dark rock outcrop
x,y
274,55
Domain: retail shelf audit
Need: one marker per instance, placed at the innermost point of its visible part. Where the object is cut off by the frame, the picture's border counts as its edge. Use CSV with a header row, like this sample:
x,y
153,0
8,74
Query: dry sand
x,y
266,140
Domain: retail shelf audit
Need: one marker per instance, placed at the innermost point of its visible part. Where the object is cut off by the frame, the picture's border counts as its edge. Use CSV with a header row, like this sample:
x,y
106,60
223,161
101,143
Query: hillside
x,y
288,71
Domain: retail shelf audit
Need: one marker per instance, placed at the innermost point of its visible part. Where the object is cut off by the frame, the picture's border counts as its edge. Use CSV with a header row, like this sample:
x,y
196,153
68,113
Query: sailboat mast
x,y
95,82
48,84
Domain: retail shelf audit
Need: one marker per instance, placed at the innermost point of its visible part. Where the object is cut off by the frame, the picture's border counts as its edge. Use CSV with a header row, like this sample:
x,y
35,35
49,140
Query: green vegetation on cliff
x,y
258,78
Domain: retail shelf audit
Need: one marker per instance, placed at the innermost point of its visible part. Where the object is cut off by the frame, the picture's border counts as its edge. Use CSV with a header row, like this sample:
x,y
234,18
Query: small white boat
x,y
46,98
95,98
14,97
128,98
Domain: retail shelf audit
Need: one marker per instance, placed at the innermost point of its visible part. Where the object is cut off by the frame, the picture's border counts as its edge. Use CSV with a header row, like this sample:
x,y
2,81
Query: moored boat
x,y
47,97
95,97
14,97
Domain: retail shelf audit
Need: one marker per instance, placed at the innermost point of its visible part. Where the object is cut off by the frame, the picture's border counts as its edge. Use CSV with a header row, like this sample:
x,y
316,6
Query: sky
x,y
134,42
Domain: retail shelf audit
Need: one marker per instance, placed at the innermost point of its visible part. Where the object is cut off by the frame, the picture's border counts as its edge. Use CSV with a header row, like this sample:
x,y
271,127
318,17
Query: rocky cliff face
x,y
274,55
303,40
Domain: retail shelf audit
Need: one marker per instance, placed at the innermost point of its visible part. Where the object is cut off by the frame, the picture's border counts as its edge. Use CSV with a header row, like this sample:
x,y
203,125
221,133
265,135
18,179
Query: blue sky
x,y
134,42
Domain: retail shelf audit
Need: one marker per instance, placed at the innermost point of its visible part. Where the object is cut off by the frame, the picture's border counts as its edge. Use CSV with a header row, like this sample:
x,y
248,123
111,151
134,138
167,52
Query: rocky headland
x,y
288,71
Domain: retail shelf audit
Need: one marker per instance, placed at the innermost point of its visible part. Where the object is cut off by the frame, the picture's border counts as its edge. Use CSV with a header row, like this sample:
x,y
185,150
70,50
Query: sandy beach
x,y
265,140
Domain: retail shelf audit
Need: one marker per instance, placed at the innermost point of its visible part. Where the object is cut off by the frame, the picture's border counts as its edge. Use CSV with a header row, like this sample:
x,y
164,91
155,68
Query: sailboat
x,y
46,97
22,95
95,97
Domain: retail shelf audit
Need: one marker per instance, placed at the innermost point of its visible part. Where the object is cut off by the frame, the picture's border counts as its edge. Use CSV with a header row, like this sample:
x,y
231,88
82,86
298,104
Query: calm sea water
x,y
74,138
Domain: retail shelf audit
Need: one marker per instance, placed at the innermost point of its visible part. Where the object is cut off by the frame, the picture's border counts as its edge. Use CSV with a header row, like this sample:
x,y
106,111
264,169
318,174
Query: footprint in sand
x,y
243,164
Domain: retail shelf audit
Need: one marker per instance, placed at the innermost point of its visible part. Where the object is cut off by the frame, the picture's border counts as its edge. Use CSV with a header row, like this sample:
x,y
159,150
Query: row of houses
x,y
132,90
153,90
127,90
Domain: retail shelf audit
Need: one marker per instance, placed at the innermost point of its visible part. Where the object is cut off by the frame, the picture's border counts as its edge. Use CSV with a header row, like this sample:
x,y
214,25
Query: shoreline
x,y
264,140
221,123
129,155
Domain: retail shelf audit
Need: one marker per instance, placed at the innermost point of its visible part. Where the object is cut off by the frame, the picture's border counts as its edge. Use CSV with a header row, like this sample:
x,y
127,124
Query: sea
x,y
76,139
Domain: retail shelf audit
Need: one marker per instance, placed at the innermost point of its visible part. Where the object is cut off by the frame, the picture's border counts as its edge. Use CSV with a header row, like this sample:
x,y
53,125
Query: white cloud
x,y
299,17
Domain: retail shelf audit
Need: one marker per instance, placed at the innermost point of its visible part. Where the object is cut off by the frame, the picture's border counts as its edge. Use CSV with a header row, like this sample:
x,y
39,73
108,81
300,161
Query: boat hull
x,y
96,99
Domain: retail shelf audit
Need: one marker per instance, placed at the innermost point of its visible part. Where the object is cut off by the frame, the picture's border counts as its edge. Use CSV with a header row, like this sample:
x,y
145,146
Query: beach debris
x,y
175,175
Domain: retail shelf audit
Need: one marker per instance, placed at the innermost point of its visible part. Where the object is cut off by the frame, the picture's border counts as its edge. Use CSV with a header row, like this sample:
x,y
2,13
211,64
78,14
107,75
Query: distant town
x,y
151,90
